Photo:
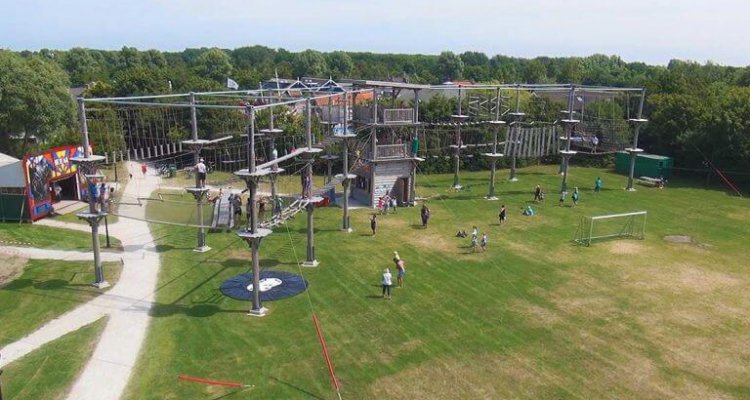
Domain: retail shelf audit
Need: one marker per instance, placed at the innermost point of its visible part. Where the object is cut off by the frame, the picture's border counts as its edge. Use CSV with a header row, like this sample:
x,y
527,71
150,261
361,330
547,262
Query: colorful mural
x,y
40,170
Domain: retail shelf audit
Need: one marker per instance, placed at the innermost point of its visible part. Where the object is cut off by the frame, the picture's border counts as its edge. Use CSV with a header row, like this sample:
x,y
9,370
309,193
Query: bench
x,y
649,181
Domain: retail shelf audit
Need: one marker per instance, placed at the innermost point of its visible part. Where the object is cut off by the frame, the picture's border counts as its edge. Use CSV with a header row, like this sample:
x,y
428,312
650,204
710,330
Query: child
x,y
386,283
503,214
538,193
529,212
484,241
373,223
575,196
598,185
474,243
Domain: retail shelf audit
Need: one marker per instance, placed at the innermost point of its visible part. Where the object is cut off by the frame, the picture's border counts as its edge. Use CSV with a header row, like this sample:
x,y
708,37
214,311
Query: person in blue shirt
x,y
598,184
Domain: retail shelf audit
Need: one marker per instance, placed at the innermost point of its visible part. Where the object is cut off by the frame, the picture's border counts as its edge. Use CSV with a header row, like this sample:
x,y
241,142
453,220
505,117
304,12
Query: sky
x,y
652,31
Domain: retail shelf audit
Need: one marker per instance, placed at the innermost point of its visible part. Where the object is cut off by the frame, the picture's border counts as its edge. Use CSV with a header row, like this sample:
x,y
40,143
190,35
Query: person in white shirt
x,y
200,169
387,283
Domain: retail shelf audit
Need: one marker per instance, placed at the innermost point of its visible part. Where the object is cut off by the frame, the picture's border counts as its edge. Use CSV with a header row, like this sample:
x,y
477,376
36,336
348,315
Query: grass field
x,y
44,290
534,317
45,237
49,372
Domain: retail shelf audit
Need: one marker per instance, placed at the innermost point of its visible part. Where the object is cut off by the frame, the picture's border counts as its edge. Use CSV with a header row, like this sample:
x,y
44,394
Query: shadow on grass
x,y
195,311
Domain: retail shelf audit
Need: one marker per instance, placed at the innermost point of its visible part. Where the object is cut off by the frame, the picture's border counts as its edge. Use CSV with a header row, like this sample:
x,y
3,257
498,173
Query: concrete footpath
x,y
127,305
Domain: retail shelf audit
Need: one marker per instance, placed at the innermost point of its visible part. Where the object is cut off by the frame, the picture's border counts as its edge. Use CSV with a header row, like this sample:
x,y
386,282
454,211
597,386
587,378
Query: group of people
x,y
386,203
387,280
100,193
476,242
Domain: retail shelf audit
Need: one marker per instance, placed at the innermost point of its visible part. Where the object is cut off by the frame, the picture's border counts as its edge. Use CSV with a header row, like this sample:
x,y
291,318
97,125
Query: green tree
x,y
34,99
340,64
214,64
82,66
450,66
310,63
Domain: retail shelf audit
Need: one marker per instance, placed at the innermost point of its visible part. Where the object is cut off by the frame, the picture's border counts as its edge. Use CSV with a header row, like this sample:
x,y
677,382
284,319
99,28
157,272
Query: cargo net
x,y
603,116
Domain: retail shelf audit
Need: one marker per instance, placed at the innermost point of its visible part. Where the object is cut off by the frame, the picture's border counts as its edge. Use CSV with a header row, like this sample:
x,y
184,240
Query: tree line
x,y
695,109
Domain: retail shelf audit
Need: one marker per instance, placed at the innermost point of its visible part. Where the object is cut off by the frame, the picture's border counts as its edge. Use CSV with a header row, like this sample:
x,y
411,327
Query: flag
x,y
232,84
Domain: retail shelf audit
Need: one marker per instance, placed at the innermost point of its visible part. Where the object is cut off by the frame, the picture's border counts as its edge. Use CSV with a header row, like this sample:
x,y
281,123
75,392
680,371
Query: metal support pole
x,y
88,166
106,231
310,262
495,131
255,253
513,133
457,153
345,217
568,135
634,151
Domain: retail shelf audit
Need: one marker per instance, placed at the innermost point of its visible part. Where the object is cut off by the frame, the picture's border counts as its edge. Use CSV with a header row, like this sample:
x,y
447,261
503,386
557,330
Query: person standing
x,y
144,169
200,169
103,197
387,283
93,193
575,196
425,214
537,194
374,223
401,268
58,191
503,215
483,243
598,184
475,233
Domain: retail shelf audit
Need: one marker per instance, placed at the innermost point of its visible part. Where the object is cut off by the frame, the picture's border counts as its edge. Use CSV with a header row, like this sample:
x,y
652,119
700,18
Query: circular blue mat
x,y
274,285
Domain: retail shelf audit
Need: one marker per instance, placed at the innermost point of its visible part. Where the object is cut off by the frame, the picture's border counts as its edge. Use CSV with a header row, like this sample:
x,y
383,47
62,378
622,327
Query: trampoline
x,y
274,285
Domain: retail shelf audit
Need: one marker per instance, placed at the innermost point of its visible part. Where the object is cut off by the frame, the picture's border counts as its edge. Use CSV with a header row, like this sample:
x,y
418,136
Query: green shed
x,y
650,165
13,202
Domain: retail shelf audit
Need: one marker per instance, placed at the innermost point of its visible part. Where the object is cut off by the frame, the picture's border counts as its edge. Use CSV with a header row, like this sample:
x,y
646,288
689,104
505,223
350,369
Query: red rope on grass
x,y
322,340
210,382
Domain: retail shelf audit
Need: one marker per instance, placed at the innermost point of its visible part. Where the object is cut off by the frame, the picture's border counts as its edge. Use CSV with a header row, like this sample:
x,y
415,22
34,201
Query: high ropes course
x,y
243,160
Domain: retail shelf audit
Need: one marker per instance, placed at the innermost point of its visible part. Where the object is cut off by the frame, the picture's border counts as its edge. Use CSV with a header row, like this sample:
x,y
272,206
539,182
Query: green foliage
x,y
34,99
309,63
214,64
450,66
689,103
340,64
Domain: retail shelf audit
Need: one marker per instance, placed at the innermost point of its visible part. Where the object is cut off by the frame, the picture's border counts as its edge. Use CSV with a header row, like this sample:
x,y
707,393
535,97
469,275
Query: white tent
x,y
11,172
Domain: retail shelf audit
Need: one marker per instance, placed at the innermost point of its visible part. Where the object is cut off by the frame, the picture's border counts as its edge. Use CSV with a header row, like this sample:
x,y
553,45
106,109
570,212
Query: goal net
x,y
611,226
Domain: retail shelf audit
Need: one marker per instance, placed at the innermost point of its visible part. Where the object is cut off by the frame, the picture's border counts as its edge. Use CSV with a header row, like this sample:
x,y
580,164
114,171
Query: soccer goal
x,y
612,226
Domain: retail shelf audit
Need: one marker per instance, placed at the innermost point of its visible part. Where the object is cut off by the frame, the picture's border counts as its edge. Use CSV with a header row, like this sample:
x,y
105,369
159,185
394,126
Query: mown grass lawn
x,y
49,372
45,290
534,317
47,237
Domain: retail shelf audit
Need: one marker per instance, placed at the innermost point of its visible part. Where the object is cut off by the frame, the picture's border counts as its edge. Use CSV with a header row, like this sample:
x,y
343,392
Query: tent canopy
x,y
11,172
